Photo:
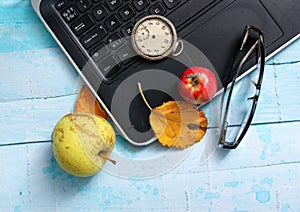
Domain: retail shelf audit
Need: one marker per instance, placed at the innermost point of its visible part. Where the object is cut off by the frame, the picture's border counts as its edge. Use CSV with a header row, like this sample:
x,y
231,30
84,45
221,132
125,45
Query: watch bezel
x,y
161,56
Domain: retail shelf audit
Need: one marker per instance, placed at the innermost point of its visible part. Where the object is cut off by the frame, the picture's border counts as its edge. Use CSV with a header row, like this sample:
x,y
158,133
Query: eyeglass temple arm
x,y
260,44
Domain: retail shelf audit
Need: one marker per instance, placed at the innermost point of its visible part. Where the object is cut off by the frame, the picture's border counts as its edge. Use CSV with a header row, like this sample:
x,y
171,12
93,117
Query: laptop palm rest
x,y
218,39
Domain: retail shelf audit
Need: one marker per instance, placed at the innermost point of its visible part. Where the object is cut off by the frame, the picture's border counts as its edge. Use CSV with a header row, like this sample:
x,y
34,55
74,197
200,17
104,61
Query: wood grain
x,y
226,183
38,86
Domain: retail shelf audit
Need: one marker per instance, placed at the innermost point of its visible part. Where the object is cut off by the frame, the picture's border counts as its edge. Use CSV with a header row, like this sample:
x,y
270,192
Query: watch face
x,y
153,37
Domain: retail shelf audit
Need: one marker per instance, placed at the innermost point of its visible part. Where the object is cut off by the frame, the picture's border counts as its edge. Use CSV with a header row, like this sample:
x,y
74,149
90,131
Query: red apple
x,y
197,85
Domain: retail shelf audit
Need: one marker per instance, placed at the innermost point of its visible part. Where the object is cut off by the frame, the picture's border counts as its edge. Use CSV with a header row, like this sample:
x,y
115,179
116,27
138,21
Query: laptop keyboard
x,y
100,27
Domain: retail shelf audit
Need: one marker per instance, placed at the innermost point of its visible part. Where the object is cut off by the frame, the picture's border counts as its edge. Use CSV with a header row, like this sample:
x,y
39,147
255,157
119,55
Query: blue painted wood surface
x,y
38,86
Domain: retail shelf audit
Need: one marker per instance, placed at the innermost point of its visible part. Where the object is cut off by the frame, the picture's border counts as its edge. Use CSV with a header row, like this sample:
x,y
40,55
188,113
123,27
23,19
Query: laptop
x,y
96,36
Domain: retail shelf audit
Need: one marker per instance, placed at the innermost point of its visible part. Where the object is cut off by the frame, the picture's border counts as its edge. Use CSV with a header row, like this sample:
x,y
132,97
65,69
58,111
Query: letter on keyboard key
x,y
115,41
61,4
99,12
125,54
109,66
140,4
157,9
113,22
113,4
126,31
69,14
92,37
126,12
100,52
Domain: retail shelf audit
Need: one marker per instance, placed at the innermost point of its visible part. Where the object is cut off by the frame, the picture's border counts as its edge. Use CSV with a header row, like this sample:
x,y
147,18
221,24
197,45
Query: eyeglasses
x,y
237,115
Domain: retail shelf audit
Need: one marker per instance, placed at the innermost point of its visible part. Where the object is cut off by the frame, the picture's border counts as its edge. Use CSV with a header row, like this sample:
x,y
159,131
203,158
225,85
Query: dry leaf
x,y
87,103
177,124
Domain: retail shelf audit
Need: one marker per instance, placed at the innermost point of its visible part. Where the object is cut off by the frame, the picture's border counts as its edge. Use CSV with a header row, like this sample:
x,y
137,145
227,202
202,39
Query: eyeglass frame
x,y
259,46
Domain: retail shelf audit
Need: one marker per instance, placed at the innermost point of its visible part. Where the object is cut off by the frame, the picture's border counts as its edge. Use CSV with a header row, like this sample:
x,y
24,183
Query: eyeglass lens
x,y
240,106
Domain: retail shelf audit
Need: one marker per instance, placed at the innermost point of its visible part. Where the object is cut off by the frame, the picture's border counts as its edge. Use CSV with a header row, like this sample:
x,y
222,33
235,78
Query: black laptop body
x,y
94,36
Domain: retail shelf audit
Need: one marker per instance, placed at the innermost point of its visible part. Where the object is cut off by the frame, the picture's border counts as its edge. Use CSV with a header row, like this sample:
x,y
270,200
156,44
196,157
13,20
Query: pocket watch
x,y
154,37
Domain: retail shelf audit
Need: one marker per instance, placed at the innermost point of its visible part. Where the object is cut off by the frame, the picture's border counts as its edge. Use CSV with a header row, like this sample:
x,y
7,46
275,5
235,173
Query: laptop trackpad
x,y
220,36
217,38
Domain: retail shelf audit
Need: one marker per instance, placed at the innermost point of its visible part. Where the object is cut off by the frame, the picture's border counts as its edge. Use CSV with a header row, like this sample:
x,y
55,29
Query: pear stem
x,y
104,156
143,96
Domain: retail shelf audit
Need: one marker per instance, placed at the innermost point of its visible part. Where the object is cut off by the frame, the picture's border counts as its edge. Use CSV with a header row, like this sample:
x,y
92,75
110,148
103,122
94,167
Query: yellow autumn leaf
x,y
87,103
177,124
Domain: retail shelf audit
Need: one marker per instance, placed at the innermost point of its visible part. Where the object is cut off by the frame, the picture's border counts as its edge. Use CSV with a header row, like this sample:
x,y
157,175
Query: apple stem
x,y
104,156
143,96
193,77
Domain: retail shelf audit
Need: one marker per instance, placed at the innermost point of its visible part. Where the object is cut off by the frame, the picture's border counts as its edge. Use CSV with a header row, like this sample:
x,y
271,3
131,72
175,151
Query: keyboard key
x,y
83,5
113,4
100,12
113,22
125,54
109,66
140,4
126,12
82,25
157,9
171,3
115,41
141,16
61,4
70,14
126,31
93,36
99,52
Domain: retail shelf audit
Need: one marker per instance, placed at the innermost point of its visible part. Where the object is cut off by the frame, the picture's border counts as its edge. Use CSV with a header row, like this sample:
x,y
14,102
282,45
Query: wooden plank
x,y
263,145
281,93
45,65
45,84
37,74
33,119
20,28
262,174
289,55
31,181
15,3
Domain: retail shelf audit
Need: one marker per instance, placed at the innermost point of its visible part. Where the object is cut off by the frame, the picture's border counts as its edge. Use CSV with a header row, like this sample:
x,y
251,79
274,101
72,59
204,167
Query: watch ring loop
x,y
177,51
